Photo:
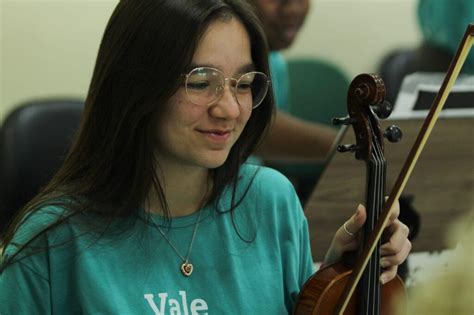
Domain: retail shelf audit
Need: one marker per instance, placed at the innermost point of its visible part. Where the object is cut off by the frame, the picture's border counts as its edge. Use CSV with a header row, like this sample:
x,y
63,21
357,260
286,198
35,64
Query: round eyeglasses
x,y
205,86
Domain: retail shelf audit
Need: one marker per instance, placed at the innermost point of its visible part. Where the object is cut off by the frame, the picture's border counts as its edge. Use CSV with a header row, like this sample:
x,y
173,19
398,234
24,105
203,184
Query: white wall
x,y
356,34
48,47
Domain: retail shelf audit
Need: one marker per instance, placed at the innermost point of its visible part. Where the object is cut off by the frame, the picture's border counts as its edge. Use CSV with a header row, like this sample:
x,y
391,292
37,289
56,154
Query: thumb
x,y
345,238
355,222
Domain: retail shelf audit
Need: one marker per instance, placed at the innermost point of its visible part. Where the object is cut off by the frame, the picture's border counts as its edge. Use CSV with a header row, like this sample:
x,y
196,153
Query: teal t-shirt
x,y
259,270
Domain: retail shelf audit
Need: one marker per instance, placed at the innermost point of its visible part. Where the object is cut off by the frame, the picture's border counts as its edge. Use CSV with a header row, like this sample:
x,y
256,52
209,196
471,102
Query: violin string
x,y
373,165
377,155
372,291
379,206
380,200
377,252
374,273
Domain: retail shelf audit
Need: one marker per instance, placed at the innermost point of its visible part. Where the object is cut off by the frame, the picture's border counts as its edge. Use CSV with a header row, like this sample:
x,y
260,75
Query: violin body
x,y
321,293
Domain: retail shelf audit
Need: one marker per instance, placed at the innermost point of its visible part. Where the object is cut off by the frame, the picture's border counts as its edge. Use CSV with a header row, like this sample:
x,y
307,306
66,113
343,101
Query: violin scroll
x,y
366,103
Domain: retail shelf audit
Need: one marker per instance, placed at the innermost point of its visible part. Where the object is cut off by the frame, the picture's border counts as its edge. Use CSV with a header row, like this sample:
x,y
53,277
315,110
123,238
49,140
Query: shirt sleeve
x,y
25,275
23,290
306,259
293,234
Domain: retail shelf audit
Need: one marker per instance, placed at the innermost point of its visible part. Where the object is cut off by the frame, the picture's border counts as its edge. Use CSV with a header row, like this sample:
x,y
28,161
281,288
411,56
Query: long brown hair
x,y
147,45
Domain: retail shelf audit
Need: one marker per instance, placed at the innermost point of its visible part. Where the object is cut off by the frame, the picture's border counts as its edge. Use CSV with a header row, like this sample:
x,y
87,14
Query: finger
x,y
350,245
345,242
345,238
395,210
388,274
398,233
354,224
398,258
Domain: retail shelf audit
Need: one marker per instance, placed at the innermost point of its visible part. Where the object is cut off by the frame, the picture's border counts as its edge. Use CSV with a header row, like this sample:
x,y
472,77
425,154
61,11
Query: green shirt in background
x,y
443,23
259,272
280,80
280,87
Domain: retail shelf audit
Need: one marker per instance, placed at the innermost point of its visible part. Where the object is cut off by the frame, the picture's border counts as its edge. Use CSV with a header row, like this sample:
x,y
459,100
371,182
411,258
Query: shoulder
x,y
34,224
268,188
269,178
272,202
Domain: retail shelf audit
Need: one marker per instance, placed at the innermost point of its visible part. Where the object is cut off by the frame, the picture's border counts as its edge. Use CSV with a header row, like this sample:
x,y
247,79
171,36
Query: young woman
x,y
154,210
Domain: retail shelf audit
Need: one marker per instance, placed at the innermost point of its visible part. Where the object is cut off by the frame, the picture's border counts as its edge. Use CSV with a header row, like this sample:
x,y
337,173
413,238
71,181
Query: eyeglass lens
x,y
205,86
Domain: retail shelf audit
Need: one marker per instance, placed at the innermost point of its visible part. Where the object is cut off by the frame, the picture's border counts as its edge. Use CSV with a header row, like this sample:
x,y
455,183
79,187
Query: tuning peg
x,y
347,148
343,121
393,133
382,110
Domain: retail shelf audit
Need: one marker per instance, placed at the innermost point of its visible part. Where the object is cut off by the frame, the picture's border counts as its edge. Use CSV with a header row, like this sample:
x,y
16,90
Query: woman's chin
x,y
215,161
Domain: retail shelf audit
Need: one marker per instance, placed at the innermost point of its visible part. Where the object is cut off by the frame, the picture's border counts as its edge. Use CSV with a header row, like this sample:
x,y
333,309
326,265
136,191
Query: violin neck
x,y
369,285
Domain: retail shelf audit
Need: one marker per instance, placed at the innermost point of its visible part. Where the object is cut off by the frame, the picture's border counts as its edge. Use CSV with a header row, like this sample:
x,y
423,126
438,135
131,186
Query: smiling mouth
x,y
216,131
216,136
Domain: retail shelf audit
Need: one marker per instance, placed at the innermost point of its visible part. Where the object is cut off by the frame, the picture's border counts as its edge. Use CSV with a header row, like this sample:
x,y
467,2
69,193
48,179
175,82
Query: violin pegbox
x,y
365,105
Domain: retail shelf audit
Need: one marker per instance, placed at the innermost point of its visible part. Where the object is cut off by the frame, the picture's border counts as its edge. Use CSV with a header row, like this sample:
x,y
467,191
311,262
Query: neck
x,y
185,190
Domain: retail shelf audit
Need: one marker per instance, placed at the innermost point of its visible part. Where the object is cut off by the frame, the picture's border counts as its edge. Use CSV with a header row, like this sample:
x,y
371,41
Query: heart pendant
x,y
187,269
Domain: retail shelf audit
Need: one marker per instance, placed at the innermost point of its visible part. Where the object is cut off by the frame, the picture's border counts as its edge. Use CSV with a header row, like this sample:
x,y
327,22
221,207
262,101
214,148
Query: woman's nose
x,y
227,107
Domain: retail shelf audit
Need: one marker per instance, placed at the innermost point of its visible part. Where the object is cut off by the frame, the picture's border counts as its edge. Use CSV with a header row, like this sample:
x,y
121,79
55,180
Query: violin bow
x,y
428,124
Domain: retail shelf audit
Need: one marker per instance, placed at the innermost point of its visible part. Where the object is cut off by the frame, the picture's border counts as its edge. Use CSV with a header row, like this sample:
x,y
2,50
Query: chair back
x,y
34,140
399,63
318,90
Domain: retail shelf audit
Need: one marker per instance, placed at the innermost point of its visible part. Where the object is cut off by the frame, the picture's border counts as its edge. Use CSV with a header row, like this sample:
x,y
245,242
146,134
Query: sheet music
x,y
418,90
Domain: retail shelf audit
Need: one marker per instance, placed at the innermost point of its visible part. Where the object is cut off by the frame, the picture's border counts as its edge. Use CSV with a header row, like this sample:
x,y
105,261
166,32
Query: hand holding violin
x,y
393,252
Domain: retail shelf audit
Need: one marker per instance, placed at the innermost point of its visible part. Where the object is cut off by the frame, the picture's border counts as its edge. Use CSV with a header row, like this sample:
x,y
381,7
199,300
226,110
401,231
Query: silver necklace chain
x,y
186,267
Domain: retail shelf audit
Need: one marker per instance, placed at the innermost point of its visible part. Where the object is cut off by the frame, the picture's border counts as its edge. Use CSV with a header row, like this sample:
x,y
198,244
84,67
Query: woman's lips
x,y
216,136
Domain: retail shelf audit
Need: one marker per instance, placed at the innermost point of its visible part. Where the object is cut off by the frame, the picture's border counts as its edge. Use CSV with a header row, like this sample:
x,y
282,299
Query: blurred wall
x,y
48,47
356,34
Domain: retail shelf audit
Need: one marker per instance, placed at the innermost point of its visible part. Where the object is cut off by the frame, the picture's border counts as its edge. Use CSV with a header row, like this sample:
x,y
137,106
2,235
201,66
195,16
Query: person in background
x,y
154,210
290,138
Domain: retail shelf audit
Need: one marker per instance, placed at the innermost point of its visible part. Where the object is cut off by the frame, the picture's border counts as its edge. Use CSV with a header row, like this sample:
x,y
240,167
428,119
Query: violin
x,y
343,289
365,103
